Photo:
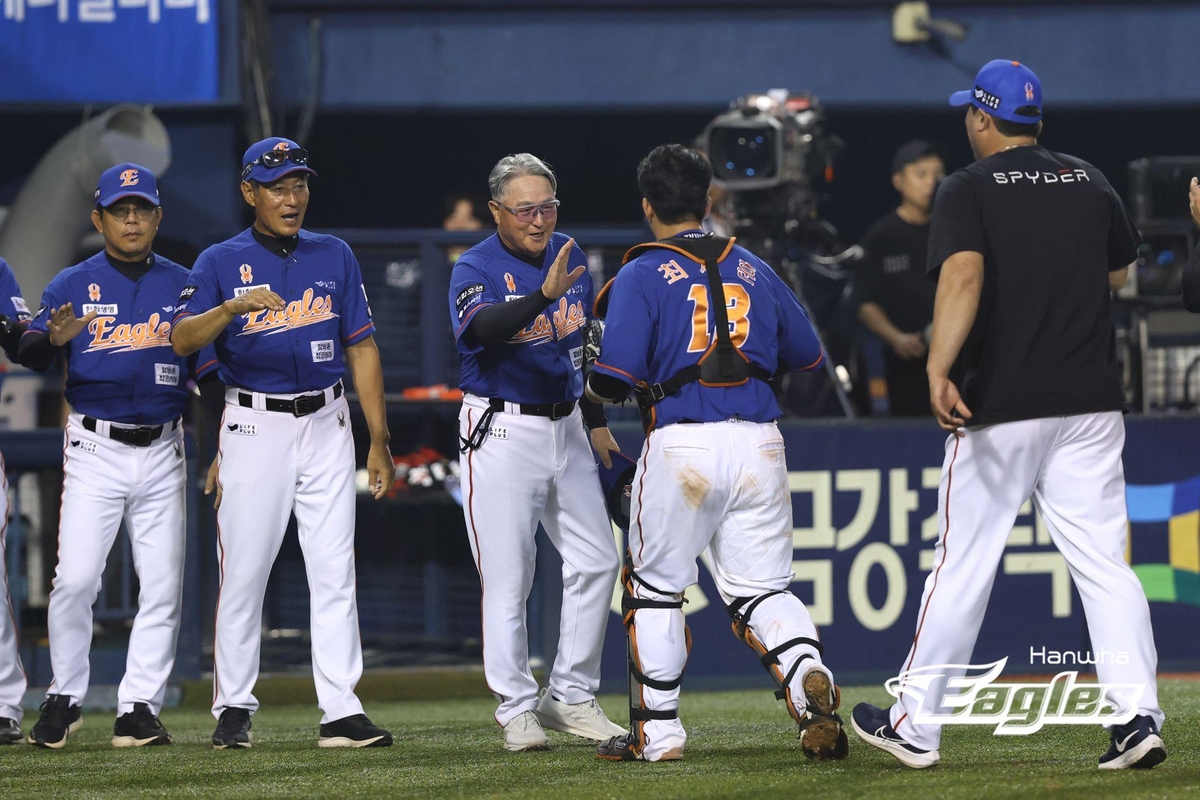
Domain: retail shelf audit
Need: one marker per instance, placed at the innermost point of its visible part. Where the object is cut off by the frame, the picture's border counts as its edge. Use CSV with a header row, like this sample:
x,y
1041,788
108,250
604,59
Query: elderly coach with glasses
x,y
520,304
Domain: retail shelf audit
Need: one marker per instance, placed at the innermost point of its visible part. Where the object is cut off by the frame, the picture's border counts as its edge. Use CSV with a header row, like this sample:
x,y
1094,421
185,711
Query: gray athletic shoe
x,y
524,732
586,719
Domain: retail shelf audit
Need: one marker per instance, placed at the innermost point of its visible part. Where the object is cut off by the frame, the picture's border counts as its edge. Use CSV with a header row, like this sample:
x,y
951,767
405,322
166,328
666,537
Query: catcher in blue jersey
x,y
122,455
696,325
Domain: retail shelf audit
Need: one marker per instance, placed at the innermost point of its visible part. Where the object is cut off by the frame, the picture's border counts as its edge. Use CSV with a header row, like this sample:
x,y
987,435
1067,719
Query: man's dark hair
x,y
1014,129
675,180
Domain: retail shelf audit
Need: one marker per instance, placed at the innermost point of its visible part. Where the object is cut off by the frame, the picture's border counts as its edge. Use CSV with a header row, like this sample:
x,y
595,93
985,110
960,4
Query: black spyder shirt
x,y
1050,228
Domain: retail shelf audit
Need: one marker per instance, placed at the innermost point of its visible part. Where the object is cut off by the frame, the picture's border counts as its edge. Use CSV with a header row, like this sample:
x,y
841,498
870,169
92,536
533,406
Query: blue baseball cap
x,y
1001,87
616,482
253,168
126,180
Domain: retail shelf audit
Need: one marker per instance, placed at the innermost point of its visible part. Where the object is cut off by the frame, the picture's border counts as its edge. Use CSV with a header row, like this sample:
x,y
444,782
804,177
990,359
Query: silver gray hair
x,y
518,165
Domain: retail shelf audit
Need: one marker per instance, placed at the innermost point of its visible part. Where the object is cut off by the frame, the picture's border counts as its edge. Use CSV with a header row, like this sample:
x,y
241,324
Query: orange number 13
x,y
737,304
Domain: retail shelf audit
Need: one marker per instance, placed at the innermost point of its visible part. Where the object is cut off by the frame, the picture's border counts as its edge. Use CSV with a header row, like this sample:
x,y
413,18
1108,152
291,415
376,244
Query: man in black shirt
x,y
1027,245
895,295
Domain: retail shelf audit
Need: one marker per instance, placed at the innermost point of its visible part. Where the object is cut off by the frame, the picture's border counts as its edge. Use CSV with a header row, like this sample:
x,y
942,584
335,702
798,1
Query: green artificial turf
x,y
741,744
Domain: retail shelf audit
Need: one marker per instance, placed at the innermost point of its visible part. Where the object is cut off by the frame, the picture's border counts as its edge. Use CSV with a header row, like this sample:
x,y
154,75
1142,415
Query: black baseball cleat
x,y
353,731
139,728
10,731
619,748
627,748
59,719
233,729
873,726
1134,745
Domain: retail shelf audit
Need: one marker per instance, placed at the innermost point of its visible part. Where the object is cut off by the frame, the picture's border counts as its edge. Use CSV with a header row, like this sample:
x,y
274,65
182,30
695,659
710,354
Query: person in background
x,y
894,294
461,218
1191,272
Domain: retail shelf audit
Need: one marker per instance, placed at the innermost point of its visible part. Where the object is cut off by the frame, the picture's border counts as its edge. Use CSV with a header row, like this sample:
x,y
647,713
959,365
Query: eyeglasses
x,y
140,212
529,213
276,158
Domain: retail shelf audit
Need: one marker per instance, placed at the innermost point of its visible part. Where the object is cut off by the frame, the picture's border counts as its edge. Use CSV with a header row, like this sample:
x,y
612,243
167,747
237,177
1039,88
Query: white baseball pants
x,y
12,674
103,482
1072,468
532,469
274,464
718,488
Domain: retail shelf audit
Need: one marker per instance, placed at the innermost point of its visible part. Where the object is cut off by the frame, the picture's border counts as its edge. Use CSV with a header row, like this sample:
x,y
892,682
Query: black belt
x,y
138,437
551,410
299,406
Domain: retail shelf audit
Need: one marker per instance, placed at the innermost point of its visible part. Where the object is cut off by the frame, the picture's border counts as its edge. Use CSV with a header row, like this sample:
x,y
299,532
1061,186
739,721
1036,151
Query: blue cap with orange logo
x,y
271,159
126,180
1002,87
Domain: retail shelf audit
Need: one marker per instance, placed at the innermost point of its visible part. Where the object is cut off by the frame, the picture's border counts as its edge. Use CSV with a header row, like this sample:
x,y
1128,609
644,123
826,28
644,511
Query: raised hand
x,y
558,280
63,325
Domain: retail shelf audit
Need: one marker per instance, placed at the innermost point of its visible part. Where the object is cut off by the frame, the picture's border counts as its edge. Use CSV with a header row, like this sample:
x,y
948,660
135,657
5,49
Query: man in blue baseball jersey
x,y
122,454
14,317
520,302
696,325
287,312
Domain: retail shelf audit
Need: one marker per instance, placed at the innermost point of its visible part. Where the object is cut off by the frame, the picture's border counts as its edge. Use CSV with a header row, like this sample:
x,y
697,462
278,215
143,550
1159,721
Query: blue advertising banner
x,y
150,51
865,500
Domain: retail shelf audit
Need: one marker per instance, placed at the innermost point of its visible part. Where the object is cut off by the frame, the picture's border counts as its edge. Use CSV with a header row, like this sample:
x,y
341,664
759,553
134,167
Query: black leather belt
x,y
551,410
299,406
142,436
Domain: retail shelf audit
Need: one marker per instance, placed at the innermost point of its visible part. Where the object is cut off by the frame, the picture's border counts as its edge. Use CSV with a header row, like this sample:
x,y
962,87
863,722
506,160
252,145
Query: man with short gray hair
x,y
520,305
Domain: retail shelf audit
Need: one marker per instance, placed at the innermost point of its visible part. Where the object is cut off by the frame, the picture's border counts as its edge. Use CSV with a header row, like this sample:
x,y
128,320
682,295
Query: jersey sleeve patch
x,y
468,297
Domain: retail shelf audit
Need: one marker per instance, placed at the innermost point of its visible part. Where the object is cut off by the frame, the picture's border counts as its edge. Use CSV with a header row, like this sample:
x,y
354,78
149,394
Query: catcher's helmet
x,y
617,481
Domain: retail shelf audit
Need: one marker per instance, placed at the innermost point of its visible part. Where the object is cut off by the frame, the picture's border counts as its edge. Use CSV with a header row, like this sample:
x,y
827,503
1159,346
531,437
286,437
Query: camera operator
x,y
895,298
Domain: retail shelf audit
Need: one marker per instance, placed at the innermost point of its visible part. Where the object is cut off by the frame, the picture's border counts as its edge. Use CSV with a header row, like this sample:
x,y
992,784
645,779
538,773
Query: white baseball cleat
x,y
585,719
524,732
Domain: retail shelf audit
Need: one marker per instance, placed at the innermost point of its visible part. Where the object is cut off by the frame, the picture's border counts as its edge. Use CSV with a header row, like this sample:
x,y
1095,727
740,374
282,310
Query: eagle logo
x,y
509,282
93,292
247,273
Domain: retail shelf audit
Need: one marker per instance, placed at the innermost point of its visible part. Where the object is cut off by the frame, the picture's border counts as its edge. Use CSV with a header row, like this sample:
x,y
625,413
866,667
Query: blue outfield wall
x,y
865,506
583,56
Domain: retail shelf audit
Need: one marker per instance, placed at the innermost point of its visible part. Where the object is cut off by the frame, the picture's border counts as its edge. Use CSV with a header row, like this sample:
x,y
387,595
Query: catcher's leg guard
x,y
821,734
641,596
